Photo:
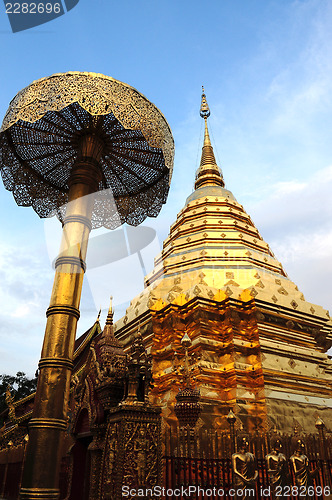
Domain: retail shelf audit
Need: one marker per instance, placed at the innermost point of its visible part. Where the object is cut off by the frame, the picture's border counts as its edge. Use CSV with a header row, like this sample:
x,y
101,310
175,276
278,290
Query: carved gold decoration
x,y
10,404
132,450
109,366
112,442
141,454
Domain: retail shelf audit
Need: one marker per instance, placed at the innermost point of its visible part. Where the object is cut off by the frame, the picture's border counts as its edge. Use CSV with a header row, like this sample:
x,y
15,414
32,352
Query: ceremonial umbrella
x,y
95,152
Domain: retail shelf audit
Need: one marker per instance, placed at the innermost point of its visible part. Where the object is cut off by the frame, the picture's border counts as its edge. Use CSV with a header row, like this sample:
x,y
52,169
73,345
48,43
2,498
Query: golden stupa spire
x,y
208,173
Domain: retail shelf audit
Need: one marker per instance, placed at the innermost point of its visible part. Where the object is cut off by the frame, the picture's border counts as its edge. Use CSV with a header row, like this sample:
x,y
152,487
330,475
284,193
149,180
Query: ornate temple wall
x,y
264,364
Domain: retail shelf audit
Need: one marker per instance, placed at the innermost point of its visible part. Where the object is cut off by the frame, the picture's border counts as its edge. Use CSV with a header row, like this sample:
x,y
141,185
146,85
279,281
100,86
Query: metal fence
x,y
198,464
200,460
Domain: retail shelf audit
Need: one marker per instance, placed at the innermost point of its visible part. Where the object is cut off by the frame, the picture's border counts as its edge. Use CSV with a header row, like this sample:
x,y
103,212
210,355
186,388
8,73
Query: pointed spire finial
x,y
109,319
205,110
208,173
107,337
98,317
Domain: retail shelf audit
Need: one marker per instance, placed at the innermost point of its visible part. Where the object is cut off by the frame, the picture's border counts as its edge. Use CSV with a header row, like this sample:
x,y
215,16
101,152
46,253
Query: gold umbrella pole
x,y
49,420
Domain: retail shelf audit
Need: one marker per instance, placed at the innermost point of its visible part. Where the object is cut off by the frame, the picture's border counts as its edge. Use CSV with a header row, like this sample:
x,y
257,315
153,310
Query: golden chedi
x,y
257,345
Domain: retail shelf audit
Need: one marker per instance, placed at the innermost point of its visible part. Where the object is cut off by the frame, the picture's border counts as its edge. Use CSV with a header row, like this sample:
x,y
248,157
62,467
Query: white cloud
x,y
296,221
24,295
297,206
287,188
297,247
301,89
22,310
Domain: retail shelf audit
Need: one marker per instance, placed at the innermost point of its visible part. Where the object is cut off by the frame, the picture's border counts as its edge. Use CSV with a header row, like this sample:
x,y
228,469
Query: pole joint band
x,y
70,259
78,218
56,363
39,494
63,309
49,423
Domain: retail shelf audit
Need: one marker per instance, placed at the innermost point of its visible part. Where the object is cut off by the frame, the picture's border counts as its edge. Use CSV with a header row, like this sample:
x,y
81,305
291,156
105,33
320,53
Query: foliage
x,y
20,387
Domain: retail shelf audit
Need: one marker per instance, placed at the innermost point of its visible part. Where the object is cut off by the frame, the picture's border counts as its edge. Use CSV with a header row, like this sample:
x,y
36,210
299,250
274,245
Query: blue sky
x,y
267,70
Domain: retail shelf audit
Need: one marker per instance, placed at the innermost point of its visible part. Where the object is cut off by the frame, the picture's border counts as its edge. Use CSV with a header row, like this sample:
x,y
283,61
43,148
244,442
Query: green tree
x,y
20,387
